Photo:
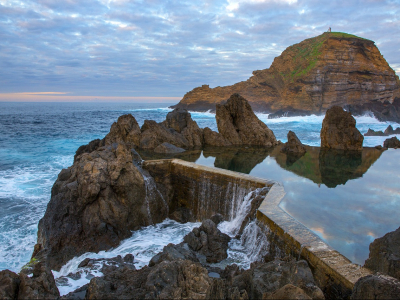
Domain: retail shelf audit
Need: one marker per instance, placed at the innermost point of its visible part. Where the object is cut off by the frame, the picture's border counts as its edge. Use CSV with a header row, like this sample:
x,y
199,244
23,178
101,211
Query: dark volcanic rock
x,y
238,124
339,131
168,148
383,111
372,132
180,279
264,279
9,284
289,291
173,252
126,130
391,143
293,146
376,287
384,254
209,241
92,204
154,134
40,286
389,130
213,138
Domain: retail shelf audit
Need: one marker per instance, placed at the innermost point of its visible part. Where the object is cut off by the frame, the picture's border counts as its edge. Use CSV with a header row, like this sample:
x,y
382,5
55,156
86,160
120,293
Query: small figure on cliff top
x,y
329,30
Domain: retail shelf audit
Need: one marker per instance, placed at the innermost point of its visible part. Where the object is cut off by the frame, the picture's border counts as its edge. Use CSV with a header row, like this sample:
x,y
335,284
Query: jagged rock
x,y
238,124
372,132
289,291
384,254
154,134
209,241
293,146
125,130
168,148
93,145
181,121
173,252
212,138
9,284
376,287
40,286
391,143
93,203
217,218
264,279
339,131
389,130
309,77
385,110
180,279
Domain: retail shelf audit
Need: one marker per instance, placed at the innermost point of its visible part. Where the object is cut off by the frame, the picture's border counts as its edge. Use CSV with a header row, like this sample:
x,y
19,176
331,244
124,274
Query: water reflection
x,y
348,199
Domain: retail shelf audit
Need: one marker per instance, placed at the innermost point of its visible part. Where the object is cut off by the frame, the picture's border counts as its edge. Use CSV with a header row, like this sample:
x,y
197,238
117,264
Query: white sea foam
x,y
144,244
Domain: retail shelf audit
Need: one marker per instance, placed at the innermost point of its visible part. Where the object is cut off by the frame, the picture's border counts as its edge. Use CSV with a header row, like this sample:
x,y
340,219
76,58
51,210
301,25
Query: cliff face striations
x,y
309,77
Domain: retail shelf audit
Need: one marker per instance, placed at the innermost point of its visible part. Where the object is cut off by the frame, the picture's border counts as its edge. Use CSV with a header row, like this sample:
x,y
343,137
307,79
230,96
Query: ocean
x,y
37,140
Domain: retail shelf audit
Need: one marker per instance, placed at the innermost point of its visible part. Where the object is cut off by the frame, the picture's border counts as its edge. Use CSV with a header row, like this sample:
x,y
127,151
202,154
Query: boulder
x,y
154,134
179,279
393,142
168,148
339,131
289,291
215,139
40,286
209,241
126,130
95,204
293,146
238,124
384,254
9,284
181,121
376,287
173,252
262,280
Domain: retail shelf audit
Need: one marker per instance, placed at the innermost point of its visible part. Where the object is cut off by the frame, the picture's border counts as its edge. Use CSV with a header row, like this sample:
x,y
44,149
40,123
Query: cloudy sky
x,y
131,49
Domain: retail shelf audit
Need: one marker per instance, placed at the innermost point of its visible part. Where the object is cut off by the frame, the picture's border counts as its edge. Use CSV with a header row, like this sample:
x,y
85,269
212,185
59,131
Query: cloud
x,y
161,48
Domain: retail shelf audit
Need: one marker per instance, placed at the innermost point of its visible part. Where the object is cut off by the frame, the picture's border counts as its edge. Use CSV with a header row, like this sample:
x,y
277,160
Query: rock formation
x,y
388,131
309,77
209,241
339,131
39,285
379,287
92,203
384,254
293,146
392,143
238,124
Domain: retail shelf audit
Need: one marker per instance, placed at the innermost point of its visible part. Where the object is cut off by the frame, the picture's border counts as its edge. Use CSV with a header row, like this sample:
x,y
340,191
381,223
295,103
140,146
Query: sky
x,y
157,50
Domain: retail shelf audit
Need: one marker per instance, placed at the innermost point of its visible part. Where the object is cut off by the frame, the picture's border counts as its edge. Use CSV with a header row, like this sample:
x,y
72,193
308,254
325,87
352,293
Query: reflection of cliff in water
x,y
322,166
243,159
330,167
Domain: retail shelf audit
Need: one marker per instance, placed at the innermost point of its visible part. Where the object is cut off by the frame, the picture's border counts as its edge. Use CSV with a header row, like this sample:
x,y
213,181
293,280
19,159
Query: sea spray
x,y
143,244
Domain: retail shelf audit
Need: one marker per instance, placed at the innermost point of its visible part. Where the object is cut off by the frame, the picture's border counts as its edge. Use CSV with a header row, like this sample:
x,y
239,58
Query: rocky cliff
x,y
309,77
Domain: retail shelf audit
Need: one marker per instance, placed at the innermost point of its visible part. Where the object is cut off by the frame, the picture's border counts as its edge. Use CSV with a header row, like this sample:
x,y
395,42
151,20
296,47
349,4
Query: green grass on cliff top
x,y
306,53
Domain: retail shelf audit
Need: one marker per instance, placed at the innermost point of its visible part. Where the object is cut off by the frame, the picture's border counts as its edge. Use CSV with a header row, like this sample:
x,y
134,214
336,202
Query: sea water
x,y
37,140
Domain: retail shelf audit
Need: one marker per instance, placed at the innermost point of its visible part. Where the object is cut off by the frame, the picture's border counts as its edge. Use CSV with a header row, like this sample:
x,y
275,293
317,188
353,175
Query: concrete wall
x,y
206,191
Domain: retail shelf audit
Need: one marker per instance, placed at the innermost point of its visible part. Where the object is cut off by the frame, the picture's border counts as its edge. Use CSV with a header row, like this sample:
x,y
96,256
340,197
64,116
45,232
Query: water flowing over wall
x,y
204,191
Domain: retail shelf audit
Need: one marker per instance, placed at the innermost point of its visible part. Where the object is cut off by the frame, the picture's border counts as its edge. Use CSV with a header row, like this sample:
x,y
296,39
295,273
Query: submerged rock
x,y
238,124
372,132
392,143
384,254
389,130
339,131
